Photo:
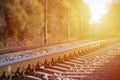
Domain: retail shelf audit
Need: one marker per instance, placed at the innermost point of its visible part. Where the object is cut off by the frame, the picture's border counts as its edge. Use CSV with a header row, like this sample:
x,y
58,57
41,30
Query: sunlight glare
x,y
98,8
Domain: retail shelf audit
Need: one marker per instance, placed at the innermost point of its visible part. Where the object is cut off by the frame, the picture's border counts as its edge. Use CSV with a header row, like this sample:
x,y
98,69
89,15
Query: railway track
x,y
82,63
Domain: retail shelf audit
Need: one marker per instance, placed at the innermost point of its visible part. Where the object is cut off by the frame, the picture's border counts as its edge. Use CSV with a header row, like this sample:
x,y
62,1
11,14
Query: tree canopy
x,y
25,20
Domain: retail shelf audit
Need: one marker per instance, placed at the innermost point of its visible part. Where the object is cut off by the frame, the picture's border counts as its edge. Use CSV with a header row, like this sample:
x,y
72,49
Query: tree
x,y
111,19
24,19
66,13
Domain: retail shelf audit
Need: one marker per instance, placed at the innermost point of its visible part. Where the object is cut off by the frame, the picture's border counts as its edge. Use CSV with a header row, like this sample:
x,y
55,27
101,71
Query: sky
x,y
98,8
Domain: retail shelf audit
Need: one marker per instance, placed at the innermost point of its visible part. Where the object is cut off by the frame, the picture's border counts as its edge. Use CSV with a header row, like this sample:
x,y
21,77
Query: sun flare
x,y
98,8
